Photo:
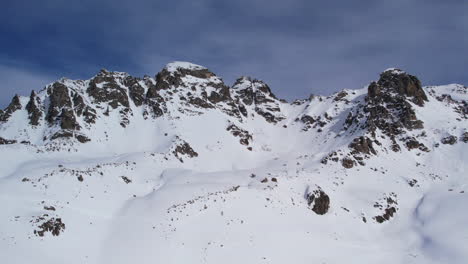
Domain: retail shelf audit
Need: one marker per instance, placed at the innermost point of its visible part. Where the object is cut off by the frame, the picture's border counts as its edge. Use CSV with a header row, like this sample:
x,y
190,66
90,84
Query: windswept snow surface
x,y
125,197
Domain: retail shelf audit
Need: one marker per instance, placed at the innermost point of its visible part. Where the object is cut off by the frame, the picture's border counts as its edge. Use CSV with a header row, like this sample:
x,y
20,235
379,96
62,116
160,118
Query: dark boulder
x,y
347,163
450,140
319,201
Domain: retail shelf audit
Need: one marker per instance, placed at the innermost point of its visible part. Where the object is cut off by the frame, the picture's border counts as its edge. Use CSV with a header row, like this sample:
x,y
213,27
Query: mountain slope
x,y
181,168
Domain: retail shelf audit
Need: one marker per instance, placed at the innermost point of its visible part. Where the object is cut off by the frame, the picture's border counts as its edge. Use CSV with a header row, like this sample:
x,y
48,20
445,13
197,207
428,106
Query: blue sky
x,y
298,47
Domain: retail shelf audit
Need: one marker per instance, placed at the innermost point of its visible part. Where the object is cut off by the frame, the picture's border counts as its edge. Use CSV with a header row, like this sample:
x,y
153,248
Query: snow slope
x,y
181,168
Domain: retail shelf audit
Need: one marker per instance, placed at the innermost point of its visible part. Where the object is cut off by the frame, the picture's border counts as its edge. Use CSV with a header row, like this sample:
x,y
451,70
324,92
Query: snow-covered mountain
x,y
182,168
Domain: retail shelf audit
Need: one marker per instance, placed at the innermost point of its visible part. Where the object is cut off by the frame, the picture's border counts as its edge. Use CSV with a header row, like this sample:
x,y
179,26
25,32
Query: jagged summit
x,y
398,81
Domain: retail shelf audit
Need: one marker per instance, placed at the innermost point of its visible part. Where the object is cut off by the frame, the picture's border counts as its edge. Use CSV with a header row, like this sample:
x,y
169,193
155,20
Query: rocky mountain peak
x,y
14,105
399,82
34,108
387,110
179,73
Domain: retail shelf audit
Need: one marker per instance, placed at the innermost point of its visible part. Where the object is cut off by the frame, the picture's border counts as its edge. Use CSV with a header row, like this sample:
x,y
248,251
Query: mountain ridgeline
x,y
182,168
68,111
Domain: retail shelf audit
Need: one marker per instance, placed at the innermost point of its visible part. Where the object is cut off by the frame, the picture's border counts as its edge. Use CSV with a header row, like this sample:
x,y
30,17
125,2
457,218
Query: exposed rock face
x,y
398,81
81,109
68,120
413,143
136,91
172,75
361,148
340,96
314,121
195,86
184,149
347,163
59,99
13,107
308,120
7,141
175,75
389,206
318,200
464,137
362,145
388,213
105,87
155,102
34,110
64,107
387,107
244,135
53,225
257,95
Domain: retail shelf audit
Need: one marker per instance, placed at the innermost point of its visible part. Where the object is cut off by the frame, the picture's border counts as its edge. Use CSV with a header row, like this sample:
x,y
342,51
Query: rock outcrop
x,y
318,200
388,108
34,108
256,95
14,106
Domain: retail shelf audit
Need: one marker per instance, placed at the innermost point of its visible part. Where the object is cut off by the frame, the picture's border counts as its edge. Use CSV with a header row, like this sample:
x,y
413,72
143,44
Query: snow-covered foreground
x,y
205,184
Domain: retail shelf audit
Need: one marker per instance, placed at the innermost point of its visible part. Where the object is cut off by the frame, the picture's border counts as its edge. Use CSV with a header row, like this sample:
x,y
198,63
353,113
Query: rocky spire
x,y
12,107
33,108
